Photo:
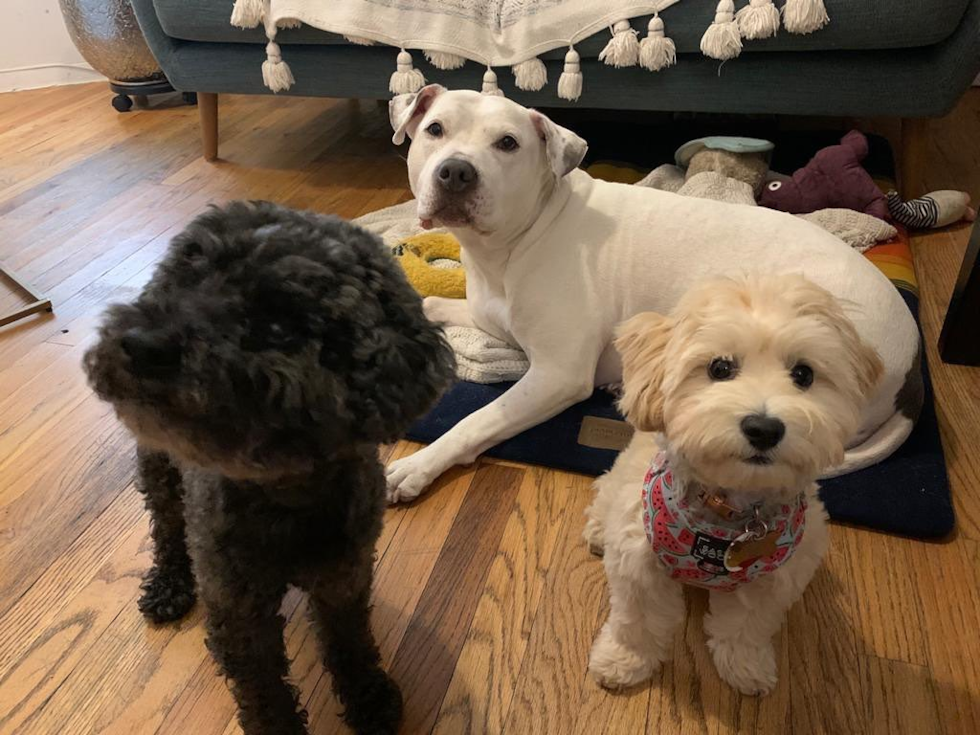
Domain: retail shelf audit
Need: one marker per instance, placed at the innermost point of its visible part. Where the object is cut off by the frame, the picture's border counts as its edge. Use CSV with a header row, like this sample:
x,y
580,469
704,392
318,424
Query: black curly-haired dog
x,y
260,367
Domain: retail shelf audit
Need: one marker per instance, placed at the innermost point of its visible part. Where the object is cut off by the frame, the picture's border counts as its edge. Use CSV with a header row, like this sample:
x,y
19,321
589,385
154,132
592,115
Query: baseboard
x,y
47,75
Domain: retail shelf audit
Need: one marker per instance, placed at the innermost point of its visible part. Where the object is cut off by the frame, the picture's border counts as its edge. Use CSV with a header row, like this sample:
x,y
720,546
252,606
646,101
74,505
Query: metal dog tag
x,y
754,542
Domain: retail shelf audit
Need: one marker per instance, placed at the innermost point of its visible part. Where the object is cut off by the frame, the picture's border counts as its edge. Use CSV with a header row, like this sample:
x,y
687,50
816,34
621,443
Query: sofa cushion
x,y
854,25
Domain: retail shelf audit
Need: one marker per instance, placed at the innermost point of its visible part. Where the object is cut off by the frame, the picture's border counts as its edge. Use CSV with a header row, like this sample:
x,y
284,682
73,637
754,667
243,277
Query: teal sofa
x,y
903,58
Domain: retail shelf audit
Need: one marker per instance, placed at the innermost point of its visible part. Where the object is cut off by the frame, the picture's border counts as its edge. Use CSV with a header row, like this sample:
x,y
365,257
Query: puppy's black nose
x,y
456,175
763,432
150,353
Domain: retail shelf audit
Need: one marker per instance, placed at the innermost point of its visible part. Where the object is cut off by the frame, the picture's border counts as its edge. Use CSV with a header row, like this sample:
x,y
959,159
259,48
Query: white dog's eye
x,y
435,130
802,375
507,143
775,185
722,368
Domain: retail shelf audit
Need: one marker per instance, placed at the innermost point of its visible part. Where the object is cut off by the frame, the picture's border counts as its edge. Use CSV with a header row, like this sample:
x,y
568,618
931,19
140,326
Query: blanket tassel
x,y
444,61
722,40
570,81
359,40
530,75
490,83
656,50
804,16
247,13
623,48
275,72
406,79
758,19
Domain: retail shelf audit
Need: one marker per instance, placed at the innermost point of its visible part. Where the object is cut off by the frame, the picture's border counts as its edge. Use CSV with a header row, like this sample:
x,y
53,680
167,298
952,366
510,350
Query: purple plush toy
x,y
833,178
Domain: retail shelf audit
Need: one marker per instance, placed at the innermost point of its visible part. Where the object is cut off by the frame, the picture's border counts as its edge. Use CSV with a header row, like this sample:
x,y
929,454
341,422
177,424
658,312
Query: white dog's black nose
x,y
456,175
763,432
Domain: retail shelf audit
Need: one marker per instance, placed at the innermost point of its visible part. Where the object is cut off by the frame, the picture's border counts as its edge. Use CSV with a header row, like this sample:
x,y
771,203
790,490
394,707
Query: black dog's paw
x,y
377,708
168,595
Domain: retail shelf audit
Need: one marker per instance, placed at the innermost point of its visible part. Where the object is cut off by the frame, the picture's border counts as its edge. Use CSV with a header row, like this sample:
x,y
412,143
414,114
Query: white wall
x,y
35,49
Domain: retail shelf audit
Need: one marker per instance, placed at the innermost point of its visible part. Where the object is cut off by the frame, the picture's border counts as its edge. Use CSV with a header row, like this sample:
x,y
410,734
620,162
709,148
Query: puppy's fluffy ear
x,y
642,342
867,364
565,150
406,111
863,360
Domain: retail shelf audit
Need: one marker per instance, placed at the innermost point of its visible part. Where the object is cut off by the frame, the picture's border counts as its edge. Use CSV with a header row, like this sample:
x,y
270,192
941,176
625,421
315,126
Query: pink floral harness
x,y
700,547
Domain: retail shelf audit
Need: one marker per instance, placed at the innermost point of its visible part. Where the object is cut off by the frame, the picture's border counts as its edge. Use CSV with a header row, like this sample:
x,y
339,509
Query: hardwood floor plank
x,y
66,642
479,695
879,568
903,700
553,675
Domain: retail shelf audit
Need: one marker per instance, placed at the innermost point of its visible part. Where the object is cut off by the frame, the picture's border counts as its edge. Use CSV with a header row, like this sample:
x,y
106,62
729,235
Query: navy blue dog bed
x,y
907,494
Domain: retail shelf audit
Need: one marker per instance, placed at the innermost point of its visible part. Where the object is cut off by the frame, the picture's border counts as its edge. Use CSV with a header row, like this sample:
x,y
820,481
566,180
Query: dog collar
x,y
709,543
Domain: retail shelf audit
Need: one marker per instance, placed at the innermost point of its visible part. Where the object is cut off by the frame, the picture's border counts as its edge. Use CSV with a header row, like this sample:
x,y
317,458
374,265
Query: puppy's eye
x,y
435,130
802,375
775,185
507,143
722,368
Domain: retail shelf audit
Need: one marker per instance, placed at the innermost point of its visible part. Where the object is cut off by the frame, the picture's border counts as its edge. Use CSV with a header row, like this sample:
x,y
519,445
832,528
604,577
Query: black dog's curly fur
x,y
268,356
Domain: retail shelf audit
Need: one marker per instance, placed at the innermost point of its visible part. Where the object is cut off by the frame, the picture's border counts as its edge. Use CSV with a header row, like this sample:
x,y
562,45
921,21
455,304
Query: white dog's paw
x,y
594,535
616,666
750,669
437,310
407,478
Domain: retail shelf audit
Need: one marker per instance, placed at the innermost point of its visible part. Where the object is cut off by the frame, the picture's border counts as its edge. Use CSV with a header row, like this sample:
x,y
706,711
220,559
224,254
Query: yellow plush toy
x,y
428,259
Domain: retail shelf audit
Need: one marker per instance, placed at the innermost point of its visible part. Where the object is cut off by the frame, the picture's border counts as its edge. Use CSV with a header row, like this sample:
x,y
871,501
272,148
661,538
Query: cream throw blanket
x,y
514,32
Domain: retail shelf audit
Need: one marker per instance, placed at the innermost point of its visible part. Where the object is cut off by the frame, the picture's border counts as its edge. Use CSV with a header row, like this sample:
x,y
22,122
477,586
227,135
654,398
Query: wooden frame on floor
x,y
39,302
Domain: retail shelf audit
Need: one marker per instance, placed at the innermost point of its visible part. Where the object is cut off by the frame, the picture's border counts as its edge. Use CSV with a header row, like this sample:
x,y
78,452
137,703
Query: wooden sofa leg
x,y
915,139
207,105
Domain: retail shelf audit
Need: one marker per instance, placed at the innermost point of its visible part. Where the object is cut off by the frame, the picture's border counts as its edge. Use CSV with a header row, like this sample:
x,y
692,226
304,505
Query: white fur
x,y
555,259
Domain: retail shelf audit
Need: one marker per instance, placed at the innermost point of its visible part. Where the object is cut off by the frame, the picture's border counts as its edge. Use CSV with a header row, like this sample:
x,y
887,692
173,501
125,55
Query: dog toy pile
x,y
504,33
259,369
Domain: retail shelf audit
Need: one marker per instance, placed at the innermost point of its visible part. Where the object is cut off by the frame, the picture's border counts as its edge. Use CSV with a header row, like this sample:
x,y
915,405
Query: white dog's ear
x,y
565,150
406,110
642,343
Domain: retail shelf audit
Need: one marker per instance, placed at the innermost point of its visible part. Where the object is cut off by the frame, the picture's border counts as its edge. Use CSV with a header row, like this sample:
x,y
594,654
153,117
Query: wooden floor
x,y
486,599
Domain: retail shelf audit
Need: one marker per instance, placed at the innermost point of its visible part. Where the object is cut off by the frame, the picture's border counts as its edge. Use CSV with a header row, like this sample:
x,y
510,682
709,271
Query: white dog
x,y
555,260
755,386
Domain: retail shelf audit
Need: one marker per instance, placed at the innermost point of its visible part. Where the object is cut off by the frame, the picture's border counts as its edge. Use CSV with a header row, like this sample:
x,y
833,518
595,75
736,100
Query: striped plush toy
x,y
938,209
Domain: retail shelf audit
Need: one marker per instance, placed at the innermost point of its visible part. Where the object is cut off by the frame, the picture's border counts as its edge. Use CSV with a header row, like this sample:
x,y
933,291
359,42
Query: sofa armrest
x,y
162,45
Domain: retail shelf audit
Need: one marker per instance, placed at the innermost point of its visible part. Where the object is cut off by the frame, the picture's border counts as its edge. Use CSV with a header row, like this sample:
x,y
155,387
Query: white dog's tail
x,y
876,447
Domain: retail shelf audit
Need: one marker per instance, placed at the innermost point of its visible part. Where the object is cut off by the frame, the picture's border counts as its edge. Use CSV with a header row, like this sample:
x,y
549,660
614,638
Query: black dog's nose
x,y
456,175
763,432
150,353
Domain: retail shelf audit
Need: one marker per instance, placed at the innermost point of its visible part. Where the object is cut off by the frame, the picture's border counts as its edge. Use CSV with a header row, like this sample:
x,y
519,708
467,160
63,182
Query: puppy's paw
x,y
617,666
594,535
750,669
407,478
168,594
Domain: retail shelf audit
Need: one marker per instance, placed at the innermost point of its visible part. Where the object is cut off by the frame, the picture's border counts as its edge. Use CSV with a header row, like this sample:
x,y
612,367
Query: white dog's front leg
x,y
448,312
645,609
539,395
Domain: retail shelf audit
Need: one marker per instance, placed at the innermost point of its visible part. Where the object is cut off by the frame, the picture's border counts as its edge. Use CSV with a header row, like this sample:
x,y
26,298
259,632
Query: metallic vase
x,y
107,35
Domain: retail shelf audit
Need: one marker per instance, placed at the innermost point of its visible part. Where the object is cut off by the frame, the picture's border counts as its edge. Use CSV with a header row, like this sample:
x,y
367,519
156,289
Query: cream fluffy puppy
x,y
741,398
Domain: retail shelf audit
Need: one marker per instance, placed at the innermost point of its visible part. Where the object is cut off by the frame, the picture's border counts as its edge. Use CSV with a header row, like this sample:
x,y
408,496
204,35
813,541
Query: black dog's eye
x,y
802,375
435,130
507,143
722,368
